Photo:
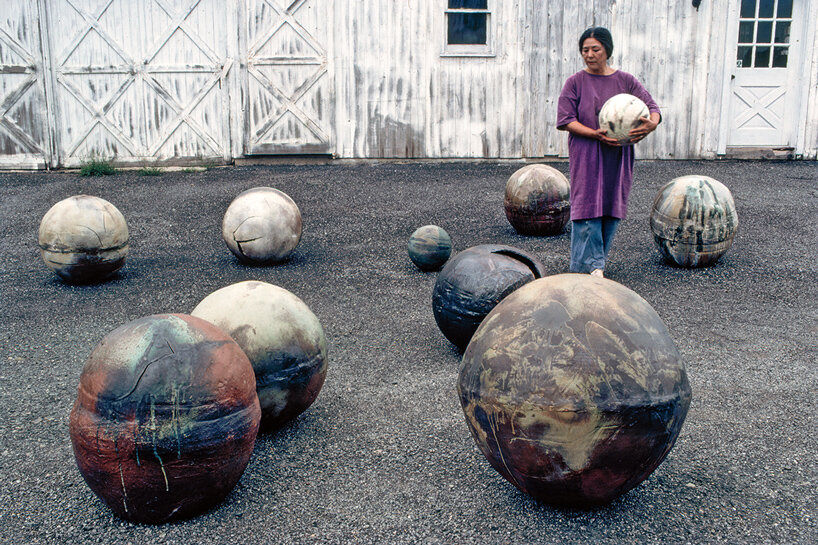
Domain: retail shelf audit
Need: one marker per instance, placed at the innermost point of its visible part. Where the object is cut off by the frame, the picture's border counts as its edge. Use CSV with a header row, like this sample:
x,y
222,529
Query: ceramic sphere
x,y
620,114
473,282
83,239
694,220
262,225
537,200
283,339
573,389
429,247
165,418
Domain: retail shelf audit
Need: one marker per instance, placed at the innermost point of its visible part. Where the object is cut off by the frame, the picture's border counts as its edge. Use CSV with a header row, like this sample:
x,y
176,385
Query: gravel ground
x,y
384,454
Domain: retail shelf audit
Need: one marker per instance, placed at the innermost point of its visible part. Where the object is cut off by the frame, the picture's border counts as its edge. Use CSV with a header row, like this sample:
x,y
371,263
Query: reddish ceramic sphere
x,y
165,419
537,200
573,389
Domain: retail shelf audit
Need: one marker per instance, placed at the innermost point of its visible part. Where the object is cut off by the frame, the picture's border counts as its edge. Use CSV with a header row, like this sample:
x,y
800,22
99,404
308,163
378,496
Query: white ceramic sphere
x,y
282,338
83,239
262,225
620,114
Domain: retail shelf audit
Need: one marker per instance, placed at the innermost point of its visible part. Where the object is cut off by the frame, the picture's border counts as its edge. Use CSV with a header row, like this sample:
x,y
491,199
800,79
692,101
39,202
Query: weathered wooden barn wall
x,y
159,81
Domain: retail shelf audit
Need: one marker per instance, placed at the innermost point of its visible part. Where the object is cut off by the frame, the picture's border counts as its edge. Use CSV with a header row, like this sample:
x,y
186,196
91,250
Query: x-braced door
x,y
289,101
24,136
140,80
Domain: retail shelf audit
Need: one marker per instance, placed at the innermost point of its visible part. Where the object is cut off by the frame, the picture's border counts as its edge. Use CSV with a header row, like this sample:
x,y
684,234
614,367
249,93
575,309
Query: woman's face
x,y
594,55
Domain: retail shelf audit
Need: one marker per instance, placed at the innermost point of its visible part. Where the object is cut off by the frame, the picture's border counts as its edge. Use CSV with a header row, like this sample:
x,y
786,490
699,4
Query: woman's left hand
x,y
647,127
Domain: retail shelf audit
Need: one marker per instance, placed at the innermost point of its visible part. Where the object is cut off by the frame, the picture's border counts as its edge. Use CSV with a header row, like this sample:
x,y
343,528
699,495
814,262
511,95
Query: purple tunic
x,y
600,174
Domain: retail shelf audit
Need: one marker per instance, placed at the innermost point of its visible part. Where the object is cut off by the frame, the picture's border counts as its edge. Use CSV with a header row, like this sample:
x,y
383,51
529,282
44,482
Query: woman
x,y
601,170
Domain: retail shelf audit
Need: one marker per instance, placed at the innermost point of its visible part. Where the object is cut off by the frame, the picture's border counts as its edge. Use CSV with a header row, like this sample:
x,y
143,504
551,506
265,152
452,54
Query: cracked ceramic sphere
x,y
473,282
694,221
83,239
429,247
262,225
573,389
537,200
620,114
283,339
165,419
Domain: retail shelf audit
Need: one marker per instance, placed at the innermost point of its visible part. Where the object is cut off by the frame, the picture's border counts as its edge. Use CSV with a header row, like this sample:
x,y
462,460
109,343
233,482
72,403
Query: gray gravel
x,y
384,454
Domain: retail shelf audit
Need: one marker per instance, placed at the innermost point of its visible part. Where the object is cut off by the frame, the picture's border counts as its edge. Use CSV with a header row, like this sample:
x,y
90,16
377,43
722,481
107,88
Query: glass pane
x,y
764,34
748,9
782,32
745,32
765,8
780,57
467,28
744,59
468,4
762,57
784,9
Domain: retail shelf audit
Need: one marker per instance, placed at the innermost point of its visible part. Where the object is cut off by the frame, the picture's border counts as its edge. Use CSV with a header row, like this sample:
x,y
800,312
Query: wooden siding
x,y
157,81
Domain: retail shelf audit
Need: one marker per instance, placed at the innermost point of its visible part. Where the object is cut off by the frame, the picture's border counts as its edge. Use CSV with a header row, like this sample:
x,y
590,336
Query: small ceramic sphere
x,y
473,282
283,339
537,200
262,225
573,389
83,239
620,114
165,419
429,247
693,220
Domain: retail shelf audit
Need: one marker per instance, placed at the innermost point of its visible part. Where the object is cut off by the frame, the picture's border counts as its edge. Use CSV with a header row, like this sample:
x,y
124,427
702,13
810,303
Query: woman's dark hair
x,y
600,33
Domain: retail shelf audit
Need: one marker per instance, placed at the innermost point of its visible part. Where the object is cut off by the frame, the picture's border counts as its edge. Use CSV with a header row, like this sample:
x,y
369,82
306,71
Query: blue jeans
x,y
590,242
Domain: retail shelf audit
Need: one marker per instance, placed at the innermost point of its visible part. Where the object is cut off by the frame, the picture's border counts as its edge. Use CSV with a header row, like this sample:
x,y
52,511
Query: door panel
x,y
289,85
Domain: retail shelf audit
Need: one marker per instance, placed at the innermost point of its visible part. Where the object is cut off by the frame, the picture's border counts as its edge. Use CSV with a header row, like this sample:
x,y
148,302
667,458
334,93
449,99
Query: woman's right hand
x,y
601,135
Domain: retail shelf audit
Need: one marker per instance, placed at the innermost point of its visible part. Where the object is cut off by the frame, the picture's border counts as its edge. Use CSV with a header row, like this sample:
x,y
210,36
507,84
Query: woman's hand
x,y
601,135
647,126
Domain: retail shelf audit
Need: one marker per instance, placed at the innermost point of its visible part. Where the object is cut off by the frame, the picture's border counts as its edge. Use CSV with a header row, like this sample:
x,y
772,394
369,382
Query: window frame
x,y
468,50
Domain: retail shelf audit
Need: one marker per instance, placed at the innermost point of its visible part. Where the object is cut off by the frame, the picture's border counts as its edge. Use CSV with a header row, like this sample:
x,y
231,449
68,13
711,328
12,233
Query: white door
x,y
288,97
763,93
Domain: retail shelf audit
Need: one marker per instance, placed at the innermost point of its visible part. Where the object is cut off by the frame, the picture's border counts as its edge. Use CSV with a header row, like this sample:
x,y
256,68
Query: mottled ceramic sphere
x,y
536,200
262,225
165,419
693,220
473,282
283,339
429,247
573,389
620,114
83,239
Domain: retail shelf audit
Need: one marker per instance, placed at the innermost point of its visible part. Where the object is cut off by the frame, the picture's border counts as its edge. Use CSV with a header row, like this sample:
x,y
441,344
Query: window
x,y
468,28
764,33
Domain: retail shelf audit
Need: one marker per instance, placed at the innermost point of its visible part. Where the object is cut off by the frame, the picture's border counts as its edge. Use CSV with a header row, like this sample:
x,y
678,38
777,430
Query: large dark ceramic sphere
x,y
537,200
573,389
165,419
693,220
83,239
473,282
283,339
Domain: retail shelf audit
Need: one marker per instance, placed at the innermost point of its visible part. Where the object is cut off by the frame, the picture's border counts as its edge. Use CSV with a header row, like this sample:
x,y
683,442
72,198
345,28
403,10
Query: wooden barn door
x,y
140,80
288,98
763,90
24,134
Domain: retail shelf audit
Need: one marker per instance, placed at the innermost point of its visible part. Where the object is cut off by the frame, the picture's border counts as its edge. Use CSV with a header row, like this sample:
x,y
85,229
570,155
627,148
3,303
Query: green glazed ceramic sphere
x,y
694,221
283,339
429,247
573,389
